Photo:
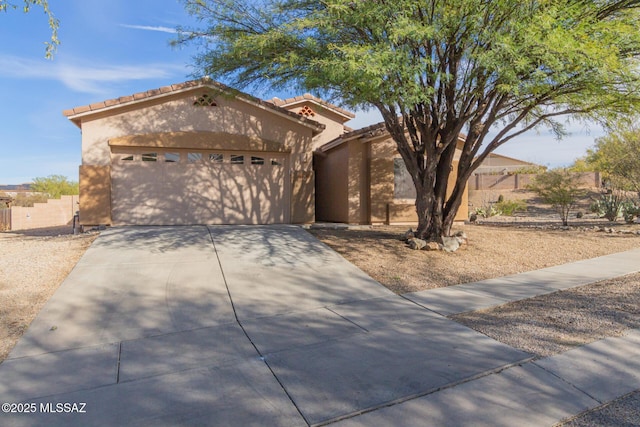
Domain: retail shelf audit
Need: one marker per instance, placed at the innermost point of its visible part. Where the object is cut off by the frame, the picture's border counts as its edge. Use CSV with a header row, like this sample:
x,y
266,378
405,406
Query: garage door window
x,y
150,157
172,157
194,157
237,159
127,158
257,160
216,158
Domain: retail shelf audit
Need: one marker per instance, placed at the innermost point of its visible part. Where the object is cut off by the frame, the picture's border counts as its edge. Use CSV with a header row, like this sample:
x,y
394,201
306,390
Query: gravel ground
x,y
32,266
554,323
623,412
493,250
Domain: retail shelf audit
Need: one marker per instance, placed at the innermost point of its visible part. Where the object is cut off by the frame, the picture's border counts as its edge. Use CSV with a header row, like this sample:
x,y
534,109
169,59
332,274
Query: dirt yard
x,y
32,266
492,251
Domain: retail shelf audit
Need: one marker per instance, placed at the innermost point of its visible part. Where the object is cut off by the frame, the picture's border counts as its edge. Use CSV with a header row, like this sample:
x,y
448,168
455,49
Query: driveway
x,y
242,325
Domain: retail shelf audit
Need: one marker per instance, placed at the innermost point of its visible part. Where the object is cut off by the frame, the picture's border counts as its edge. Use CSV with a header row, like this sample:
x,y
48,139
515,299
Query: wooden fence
x,y
5,219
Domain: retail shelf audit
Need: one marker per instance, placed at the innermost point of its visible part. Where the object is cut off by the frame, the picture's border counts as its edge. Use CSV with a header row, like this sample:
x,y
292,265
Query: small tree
x,y
617,156
55,186
560,189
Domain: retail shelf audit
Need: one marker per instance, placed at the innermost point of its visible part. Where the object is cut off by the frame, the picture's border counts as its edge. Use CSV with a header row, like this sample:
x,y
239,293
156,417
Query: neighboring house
x,y
201,153
499,164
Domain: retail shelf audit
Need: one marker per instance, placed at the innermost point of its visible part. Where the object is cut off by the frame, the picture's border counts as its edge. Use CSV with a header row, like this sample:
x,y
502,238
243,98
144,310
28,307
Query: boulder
x,y
409,234
433,246
416,244
450,244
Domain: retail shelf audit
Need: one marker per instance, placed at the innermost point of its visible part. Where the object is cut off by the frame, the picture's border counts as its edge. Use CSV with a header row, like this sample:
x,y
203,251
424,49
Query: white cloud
x,y
83,78
151,28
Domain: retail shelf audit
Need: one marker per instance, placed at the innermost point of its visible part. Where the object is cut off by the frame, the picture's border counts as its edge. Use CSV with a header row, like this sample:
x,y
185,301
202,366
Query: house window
x,y
127,158
403,187
237,159
171,157
257,160
194,157
216,158
150,157
205,100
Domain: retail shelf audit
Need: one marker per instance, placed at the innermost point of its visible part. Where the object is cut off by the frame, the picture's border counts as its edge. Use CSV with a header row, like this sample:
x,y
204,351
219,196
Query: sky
x,y
116,48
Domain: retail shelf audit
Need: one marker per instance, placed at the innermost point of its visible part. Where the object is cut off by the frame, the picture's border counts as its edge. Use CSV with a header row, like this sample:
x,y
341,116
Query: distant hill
x,y
18,187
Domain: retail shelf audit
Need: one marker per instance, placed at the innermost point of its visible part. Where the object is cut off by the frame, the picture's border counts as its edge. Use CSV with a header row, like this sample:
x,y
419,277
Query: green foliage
x,y
630,211
488,211
582,165
27,200
560,189
617,156
509,207
530,170
55,186
434,69
54,23
609,206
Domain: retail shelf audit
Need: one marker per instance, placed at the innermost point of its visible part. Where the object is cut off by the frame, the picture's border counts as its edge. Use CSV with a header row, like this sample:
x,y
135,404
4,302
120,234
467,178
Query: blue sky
x,y
115,48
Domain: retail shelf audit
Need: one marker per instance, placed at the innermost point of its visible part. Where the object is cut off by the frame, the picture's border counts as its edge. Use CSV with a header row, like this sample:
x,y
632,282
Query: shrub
x,y
630,211
509,207
608,206
27,200
488,211
560,189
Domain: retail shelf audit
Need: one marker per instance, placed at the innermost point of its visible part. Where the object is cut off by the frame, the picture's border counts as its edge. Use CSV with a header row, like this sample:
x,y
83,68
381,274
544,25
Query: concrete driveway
x,y
241,326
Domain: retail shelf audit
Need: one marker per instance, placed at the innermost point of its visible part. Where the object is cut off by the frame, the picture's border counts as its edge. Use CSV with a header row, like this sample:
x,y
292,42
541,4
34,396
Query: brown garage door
x,y
180,187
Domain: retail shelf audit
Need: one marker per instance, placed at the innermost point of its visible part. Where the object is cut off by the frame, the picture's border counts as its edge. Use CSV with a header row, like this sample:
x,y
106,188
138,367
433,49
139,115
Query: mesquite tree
x,y
434,69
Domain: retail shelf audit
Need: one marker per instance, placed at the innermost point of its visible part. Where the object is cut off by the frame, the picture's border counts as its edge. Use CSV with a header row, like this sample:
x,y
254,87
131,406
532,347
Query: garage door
x,y
163,187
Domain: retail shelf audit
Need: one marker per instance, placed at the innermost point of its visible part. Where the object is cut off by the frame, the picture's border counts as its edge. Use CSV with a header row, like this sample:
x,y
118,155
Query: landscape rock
x,y
409,234
450,244
462,237
416,244
433,246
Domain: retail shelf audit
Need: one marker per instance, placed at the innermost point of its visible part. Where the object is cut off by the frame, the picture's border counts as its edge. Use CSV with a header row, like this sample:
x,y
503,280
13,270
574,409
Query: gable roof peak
x,y
75,114
292,102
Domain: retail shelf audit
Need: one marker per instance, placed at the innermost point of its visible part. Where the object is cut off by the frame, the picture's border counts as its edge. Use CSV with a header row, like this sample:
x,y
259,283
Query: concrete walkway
x,y
266,326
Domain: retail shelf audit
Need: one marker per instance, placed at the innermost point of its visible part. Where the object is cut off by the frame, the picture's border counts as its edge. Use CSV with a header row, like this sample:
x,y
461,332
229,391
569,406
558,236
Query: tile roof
x,y
180,87
308,97
372,131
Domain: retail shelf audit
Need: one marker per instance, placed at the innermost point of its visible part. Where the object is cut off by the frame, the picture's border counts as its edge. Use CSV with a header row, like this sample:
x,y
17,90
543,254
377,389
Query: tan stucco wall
x,y
261,129
366,171
302,199
95,195
333,122
382,154
54,212
177,113
406,212
358,182
332,189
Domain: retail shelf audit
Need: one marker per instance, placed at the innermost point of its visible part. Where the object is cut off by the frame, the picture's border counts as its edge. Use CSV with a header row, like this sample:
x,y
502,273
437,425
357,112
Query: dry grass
x,y
492,251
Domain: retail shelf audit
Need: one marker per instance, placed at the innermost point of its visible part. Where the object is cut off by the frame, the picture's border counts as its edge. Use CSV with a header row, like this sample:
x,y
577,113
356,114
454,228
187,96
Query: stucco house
x,y
199,152
499,164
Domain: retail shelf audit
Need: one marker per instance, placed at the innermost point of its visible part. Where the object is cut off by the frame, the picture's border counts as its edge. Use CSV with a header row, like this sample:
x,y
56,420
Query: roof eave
x,y
102,107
